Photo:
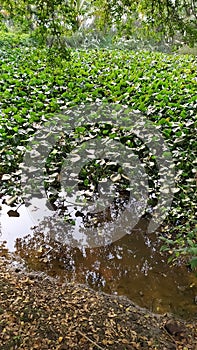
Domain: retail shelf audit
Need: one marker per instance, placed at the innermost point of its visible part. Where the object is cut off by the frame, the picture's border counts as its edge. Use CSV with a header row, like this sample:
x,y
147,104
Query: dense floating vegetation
x,y
163,87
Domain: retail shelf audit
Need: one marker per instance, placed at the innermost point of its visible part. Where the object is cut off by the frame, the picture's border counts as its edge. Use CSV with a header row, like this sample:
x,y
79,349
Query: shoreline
x,y
40,312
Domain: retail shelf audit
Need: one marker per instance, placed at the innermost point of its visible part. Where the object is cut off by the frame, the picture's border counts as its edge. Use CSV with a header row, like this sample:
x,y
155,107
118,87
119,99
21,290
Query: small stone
x,y
174,328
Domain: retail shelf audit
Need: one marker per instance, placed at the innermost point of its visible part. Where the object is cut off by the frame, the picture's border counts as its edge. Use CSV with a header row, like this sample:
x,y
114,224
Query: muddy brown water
x,y
132,266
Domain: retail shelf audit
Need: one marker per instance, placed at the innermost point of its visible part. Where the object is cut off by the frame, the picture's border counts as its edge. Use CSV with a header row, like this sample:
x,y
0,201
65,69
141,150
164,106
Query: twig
x,y
75,204
93,342
46,253
170,336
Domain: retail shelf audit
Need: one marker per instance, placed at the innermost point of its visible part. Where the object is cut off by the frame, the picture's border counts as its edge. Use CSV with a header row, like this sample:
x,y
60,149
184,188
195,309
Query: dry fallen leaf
x,y
44,313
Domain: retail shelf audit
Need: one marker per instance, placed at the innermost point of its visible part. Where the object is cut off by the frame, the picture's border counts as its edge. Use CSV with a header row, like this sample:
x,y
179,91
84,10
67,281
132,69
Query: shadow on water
x,y
132,266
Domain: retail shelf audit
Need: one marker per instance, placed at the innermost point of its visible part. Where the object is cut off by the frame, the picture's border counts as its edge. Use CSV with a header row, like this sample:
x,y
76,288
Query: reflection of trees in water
x,y
131,266
46,250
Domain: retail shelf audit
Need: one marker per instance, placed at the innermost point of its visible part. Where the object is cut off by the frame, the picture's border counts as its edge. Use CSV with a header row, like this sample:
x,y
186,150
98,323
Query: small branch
x,y
46,253
169,335
90,340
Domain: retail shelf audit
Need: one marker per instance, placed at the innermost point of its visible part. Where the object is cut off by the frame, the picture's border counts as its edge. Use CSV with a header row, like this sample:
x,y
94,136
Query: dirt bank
x,y
38,312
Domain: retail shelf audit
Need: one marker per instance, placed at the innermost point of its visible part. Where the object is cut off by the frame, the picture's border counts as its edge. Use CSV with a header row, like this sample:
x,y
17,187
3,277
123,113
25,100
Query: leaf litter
x,y
40,312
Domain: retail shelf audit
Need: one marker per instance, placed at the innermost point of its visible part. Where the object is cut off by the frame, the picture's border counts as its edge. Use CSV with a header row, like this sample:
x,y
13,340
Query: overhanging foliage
x,y
54,19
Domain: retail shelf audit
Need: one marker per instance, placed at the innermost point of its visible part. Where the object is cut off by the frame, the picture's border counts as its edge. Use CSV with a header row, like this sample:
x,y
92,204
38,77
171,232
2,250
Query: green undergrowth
x,y
163,87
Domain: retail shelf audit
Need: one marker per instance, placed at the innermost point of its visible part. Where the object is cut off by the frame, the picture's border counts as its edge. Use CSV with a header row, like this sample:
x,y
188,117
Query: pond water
x,y
132,266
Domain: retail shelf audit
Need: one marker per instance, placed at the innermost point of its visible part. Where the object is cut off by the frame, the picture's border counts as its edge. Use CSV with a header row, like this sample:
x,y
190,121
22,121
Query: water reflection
x,y
131,266
17,226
